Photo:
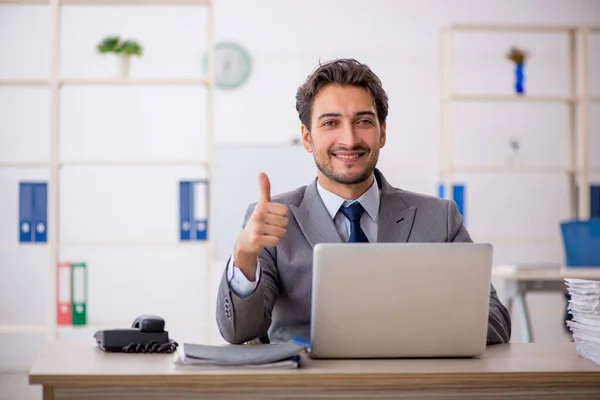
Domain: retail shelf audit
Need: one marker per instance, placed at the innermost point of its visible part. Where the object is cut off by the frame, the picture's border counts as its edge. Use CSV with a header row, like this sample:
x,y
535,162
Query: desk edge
x,y
314,378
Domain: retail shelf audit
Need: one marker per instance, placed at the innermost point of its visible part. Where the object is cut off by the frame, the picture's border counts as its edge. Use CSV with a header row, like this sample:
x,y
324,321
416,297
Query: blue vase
x,y
520,78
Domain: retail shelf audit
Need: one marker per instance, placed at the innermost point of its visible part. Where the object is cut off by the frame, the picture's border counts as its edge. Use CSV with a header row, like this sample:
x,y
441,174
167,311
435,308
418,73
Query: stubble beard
x,y
325,165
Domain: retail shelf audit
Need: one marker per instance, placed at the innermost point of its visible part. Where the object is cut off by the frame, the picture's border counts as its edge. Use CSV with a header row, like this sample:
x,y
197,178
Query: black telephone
x,y
146,335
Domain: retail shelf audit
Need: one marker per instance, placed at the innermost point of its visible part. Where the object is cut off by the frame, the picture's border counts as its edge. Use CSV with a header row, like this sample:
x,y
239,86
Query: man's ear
x,y
383,136
306,139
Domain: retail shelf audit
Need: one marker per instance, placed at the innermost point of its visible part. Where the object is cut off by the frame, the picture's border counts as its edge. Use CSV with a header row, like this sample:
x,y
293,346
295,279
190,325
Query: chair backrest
x,y
581,241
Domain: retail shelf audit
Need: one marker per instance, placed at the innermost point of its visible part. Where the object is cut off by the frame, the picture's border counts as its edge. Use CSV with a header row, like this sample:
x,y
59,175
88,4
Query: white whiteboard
x,y
235,183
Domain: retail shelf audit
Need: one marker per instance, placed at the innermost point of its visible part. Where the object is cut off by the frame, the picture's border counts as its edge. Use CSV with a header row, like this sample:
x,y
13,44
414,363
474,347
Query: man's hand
x,y
265,228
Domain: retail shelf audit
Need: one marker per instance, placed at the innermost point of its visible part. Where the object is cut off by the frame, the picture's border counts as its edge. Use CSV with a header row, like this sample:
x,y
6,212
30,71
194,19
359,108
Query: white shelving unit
x,y
55,83
577,100
134,81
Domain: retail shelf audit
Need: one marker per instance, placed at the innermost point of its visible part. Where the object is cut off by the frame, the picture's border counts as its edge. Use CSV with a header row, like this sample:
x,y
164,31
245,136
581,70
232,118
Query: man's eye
x,y
329,123
365,121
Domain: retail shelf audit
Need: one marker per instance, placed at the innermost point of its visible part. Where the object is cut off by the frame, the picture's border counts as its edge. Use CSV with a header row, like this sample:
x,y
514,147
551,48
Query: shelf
x,y
167,163
24,82
515,170
513,27
25,2
161,163
508,170
113,2
116,81
170,243
53,84
101,81
508,98
32,328
95,325
135,81
18,245
22,328
140,243
135,2
17,164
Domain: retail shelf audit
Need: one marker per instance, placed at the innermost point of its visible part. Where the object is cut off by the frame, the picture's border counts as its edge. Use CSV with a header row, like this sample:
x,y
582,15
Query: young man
x,y
266,286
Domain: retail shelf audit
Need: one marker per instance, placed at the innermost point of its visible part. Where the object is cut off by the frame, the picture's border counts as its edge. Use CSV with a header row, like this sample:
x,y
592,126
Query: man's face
x,y
345,135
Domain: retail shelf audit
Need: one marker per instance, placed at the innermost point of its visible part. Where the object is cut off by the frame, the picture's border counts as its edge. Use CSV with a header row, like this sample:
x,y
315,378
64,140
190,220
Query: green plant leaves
x,y
114,44
108,44
129,48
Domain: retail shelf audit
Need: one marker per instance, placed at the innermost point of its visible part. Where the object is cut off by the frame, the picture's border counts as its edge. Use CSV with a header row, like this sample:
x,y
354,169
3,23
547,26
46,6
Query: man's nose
x,y
349,136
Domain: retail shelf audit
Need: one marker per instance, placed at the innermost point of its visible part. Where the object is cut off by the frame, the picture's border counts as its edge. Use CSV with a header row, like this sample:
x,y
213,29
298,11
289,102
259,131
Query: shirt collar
x,y
369,200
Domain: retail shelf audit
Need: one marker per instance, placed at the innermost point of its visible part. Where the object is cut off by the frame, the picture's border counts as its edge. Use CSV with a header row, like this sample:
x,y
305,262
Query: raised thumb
x,y
265,187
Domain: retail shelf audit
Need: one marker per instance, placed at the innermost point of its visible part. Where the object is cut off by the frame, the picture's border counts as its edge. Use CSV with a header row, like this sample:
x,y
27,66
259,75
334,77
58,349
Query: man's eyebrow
x,y
361,113
329,115
358,114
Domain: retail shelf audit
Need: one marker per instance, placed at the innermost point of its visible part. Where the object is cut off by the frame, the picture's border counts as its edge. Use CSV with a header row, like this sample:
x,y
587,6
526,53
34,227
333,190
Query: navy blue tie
x,y
353,212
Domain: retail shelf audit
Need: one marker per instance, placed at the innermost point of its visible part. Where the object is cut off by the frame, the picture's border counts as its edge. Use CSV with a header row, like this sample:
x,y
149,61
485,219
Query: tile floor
x,y
15,386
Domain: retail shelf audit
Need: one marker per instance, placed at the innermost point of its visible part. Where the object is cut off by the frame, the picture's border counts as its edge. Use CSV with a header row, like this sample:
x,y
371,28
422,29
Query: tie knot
x,y
353,212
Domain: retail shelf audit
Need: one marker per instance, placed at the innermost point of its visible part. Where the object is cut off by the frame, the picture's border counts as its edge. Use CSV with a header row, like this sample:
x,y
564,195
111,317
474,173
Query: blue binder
x,y
441,190
458,195
200,210
185,210
40,211
25,212
33,212
193,210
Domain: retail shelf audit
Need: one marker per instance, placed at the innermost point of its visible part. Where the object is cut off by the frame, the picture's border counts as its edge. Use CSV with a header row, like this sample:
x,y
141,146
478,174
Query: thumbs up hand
x,y
265,228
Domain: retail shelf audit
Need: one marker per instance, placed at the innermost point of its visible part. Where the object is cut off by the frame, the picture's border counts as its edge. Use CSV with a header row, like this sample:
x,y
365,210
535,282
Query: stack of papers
x,y
585,325
285,355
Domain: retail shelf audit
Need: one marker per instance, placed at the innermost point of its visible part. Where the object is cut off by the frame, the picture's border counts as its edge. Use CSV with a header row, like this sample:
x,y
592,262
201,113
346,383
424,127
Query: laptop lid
x,y
396,300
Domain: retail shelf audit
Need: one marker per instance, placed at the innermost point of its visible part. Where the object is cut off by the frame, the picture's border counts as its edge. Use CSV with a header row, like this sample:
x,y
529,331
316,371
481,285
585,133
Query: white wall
x,y
123,220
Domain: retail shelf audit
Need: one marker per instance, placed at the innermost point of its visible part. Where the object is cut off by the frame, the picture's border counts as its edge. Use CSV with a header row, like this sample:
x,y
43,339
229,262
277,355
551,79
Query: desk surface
x,y
82,364
544,273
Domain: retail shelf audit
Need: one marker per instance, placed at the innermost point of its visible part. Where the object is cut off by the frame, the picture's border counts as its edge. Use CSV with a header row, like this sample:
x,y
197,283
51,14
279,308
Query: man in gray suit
x,y
265,290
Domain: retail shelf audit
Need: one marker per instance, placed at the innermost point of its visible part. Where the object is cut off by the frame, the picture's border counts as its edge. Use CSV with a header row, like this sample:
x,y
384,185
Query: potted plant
x,y
518,57
119,53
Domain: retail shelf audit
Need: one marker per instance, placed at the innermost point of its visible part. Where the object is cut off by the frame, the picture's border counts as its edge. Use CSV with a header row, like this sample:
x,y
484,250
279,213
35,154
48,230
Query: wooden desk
x,y
70,370
521,280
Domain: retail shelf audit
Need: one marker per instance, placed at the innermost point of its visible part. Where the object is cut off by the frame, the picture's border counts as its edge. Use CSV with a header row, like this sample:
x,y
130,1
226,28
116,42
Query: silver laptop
x,y
400,300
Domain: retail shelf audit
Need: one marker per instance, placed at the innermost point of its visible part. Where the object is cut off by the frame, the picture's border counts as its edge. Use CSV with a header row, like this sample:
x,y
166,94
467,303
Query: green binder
x,y
79,293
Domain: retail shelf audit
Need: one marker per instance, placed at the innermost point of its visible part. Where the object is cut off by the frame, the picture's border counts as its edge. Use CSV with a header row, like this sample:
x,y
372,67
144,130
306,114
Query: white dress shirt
x,y
368,222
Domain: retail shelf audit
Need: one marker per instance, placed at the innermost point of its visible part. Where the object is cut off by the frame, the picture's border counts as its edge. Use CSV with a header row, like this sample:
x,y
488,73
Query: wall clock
x,y
232,65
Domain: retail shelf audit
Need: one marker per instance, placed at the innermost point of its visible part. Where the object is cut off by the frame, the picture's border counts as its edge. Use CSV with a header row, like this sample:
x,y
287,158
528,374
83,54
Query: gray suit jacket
x,y
280,306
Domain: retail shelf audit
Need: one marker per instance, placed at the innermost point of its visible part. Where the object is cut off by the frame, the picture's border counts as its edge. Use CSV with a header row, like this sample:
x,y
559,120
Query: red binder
x,y
64,304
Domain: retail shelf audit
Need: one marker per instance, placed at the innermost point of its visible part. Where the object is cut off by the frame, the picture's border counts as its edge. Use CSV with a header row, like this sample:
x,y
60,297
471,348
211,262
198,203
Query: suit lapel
x,y
313,219
395,218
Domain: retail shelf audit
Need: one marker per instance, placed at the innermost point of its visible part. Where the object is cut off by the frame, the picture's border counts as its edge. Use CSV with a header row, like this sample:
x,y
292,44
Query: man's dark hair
x,y
345,72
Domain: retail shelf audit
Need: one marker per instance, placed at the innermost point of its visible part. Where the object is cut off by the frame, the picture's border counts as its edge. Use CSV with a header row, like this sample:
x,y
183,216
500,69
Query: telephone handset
x,y
146,335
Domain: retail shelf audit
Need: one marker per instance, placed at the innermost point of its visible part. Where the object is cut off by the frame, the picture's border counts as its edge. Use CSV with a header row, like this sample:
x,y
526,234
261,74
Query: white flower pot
x,y
118,66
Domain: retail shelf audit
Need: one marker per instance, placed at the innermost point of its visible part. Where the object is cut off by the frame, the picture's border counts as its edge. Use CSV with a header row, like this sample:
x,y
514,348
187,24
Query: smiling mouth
x,y
348,155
